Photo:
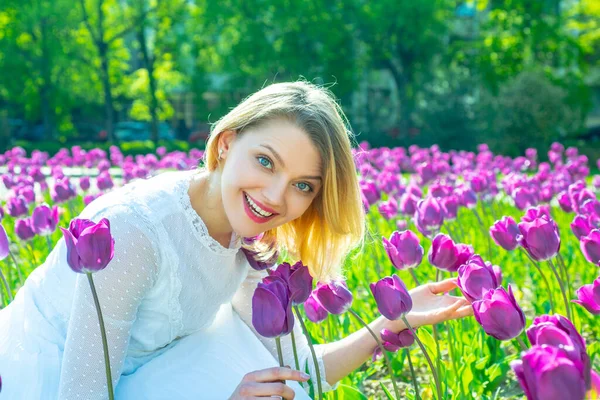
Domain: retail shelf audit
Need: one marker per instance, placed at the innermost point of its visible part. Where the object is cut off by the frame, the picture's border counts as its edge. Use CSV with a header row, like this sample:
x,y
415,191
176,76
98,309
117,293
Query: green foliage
x,y
529,111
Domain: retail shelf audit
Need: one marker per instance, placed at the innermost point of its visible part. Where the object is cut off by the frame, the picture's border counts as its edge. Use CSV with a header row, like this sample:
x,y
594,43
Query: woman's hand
x,y
431,305
268,382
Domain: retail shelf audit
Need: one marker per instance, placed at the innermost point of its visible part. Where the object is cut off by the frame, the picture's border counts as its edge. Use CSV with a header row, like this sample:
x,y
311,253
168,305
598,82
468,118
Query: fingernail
x,y
304,375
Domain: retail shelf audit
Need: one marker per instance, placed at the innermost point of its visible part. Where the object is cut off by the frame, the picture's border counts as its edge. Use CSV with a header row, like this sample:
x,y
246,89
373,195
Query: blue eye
x,y
309,188
259,158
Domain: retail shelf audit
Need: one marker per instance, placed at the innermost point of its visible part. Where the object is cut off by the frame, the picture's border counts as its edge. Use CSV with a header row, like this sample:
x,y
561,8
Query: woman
x,y
280,165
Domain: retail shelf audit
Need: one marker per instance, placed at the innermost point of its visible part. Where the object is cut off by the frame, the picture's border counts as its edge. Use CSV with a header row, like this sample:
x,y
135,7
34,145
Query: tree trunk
x,y
149,65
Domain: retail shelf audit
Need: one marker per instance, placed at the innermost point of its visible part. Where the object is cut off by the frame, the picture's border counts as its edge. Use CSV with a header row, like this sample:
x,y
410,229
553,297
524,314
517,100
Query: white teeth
x,y
256,209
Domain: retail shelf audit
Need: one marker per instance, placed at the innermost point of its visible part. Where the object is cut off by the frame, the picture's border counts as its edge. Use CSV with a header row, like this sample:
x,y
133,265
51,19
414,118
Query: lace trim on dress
x,y
200,229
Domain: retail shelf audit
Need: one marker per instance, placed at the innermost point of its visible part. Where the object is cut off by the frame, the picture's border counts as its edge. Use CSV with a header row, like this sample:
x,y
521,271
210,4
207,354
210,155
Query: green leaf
x,y
493,372
346,392
386,391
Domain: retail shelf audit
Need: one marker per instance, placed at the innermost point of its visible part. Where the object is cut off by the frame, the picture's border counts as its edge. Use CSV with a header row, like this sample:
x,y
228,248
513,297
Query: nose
x,y
274,194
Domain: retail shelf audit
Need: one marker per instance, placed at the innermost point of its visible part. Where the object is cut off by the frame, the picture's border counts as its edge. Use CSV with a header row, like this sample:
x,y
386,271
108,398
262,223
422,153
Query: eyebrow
x,y
283,164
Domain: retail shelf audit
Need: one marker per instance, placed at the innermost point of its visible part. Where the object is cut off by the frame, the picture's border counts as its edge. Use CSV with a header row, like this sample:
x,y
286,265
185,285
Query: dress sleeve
x,y
242,304
121,286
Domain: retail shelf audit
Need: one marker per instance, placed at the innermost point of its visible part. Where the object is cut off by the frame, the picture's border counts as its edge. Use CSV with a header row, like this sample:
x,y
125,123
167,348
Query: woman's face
x,y
271,175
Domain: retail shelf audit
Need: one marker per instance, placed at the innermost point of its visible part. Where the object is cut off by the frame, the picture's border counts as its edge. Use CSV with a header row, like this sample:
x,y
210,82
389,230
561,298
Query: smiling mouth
x,y
255,210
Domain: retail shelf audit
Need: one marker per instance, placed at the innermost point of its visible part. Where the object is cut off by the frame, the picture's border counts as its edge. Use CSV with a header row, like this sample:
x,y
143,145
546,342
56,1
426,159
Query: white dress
x,y
175,302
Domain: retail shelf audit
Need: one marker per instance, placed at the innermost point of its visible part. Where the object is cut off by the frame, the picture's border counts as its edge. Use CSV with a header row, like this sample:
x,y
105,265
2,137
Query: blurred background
x,y
145,73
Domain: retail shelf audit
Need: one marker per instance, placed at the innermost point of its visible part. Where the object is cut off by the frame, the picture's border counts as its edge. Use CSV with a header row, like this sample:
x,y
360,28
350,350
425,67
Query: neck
x,y
206,200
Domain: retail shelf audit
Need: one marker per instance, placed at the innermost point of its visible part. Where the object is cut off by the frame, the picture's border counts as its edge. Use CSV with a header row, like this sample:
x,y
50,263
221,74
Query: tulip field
x,y
521,235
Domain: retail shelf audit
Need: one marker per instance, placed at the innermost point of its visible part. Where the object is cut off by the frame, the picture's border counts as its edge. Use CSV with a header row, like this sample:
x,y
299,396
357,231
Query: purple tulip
x,y
334,296
590,246
505,232
392,297
499,314
429,215
548,373
404,249
540,238
524,198
463,253
589,297
476,277
17,206
256,263
392,341
534,213
297,279
388,209
450,207
4,244
443,253
84,183
467,197
581,226
272,309
408,203
314,310
44,219
24,229
104,181
564,201
567,327
90,246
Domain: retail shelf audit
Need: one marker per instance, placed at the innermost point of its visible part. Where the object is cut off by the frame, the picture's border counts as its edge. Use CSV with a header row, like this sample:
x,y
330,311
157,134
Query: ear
x,y
226,139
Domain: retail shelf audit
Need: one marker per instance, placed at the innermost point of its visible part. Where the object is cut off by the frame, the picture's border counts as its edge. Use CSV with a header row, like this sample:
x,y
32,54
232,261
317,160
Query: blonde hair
x,y
334,223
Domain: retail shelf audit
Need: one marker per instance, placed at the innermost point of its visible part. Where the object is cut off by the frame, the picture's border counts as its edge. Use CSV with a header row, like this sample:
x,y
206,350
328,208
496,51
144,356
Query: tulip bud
x,y
334,296
581,226
44,219
404,249
394,341
429,215
23,229
540,238
443,253
90,246
314,310
272,309
499,314
590,246
589,297
476,277
564,201
566,326
4,244
504,233
392,297
546,372
297,279
17,206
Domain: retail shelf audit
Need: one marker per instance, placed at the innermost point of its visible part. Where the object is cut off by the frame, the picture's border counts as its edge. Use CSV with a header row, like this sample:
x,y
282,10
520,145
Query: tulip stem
x,y
562,288
295,351
8,293
12,256
279,352
485,233
31,250
49,244
414,276
536,265
522,343
412,373
383,351
109,382
561,262
312,352
433,371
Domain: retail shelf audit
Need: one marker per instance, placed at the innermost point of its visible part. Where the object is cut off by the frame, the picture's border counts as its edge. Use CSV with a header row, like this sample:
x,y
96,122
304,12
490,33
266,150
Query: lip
x,y
261,205
259,220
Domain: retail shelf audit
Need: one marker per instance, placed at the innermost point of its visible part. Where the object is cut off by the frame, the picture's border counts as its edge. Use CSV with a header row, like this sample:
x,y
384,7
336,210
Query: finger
x,y
271,389
442,286
462,312
277,374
